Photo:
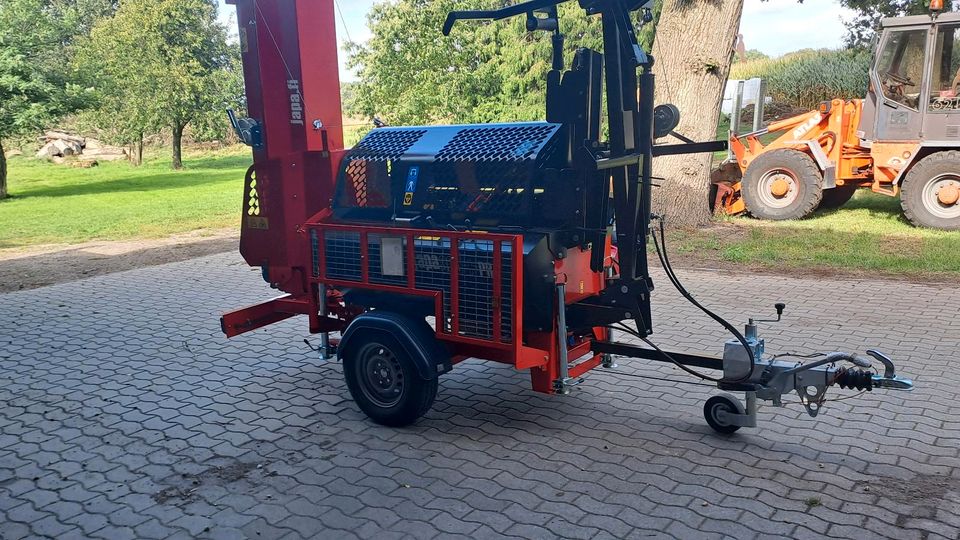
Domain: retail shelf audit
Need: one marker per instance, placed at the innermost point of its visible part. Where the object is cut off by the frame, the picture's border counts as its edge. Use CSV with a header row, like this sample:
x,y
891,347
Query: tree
x,y
750,54
482,72
866,21
35,38
27,100
693,80
158,64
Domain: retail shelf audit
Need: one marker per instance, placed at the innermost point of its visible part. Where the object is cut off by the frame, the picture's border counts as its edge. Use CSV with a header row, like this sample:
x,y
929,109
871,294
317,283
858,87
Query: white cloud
x,y
776,27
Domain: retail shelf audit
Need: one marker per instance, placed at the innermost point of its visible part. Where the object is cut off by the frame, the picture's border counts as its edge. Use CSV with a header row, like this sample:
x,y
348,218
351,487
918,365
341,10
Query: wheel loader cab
x,y
914,82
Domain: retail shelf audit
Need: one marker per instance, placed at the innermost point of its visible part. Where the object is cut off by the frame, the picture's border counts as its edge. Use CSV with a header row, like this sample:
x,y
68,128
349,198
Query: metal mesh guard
x,y
385,144
432,257
497,143
476,303
342,251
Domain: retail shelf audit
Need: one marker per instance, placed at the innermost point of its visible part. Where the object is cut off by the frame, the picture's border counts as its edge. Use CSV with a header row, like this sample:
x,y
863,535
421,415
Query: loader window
x,y
946,71
900,68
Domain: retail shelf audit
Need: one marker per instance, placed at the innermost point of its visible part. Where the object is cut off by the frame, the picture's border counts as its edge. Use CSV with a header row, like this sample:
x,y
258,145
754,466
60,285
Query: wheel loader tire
x,y
837,197
929,192
782,184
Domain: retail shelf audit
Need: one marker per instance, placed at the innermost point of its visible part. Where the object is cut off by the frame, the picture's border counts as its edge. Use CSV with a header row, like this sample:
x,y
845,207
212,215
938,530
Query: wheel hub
x,y
779,188
948,195
941,196
381,377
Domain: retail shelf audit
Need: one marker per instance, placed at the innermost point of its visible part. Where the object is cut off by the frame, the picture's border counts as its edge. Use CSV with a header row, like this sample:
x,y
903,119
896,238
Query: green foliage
x,y
805,78
36,43
28,99
409,73
863,26
750,54
160,64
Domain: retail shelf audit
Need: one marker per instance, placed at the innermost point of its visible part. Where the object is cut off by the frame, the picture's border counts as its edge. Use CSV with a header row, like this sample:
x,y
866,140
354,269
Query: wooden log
x,y
59,135
47,151
84,163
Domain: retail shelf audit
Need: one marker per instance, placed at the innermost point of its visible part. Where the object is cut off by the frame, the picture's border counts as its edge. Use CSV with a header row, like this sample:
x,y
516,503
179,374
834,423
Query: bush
x,y
805,78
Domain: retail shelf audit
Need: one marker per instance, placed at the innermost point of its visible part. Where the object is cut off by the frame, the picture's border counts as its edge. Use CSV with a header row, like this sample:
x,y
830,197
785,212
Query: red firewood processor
x,y
520,243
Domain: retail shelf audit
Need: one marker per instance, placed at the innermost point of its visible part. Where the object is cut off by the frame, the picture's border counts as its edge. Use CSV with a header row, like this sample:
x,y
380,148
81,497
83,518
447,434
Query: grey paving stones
x,y
126,414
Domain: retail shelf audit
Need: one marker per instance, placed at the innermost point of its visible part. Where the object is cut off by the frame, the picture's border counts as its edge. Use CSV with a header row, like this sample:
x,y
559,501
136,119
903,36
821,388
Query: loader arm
x,y
828,135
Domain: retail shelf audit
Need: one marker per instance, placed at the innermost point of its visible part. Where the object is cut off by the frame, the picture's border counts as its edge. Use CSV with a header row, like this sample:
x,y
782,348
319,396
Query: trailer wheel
x,y
715,406
384,382
837,197
930,195
782,184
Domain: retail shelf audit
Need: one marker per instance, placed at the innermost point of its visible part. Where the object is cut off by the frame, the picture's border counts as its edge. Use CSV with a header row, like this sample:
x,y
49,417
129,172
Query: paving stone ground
x,y
125,414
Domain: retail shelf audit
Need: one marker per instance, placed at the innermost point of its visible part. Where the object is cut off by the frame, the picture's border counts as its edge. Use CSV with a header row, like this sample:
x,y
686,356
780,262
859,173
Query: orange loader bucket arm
x,y
829,127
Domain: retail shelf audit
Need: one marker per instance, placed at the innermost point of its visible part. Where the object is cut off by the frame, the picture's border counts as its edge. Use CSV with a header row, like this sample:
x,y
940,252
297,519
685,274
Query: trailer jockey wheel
x,y
782,184
716,409
384,381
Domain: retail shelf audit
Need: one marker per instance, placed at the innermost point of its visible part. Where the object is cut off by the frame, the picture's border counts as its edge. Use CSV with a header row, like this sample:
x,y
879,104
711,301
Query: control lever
x,y
247,129
889,379
779,306
497,14
751,327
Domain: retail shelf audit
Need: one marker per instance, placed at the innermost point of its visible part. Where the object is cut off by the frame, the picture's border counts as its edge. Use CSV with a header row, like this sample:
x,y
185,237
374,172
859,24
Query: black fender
x,y
415,336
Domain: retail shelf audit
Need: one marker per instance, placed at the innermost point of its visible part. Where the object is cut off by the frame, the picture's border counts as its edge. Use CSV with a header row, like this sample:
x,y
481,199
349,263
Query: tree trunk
x,y
178,146
3,172
136,151
693,50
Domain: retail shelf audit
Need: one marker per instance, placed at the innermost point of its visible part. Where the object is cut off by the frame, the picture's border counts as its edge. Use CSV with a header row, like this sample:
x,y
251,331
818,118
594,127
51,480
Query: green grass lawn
x,y
869,234
53,204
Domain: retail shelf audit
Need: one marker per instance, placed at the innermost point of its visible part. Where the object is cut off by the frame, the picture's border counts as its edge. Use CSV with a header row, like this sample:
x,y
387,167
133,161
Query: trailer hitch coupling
x,y
770,378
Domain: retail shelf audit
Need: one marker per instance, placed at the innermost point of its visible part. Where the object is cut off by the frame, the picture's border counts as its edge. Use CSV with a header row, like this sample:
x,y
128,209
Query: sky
x,y
773,27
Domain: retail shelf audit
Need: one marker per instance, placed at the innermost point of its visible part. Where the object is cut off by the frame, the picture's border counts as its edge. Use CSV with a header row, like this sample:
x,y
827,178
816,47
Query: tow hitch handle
x,y
889,379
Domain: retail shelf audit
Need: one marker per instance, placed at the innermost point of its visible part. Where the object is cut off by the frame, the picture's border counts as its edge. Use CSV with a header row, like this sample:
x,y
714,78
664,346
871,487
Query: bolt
x,y
624,289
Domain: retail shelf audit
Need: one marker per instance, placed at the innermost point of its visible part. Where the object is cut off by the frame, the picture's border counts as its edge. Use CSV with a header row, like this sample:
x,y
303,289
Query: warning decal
x,y
412,176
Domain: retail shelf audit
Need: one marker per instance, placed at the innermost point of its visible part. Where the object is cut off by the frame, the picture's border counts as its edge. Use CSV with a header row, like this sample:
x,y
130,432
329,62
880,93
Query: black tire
x,y
837,197
919,192
797,170
384,381
725,403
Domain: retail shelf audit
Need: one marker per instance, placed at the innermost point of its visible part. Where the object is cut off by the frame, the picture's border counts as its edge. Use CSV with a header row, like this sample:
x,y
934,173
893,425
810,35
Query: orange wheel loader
x,y
902,140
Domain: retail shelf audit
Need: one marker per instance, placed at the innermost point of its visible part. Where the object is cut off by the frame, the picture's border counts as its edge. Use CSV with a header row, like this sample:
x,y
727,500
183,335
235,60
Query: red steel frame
x,y
514,347
291,74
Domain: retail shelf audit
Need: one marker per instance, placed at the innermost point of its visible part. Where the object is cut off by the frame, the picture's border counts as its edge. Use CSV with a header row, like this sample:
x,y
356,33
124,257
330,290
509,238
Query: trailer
x,y
519,243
